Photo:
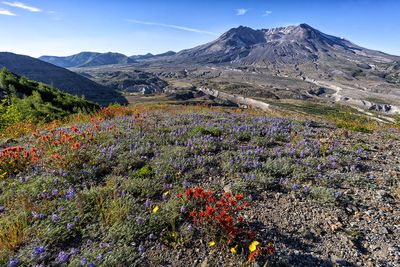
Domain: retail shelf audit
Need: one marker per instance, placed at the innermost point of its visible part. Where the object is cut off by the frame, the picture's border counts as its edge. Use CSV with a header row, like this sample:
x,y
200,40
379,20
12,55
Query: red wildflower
x,y
76,145
270,249
210,210
199,192
189,193
239,197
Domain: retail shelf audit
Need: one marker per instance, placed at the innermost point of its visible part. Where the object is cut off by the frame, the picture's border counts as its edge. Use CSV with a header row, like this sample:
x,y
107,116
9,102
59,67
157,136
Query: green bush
x,y
24,100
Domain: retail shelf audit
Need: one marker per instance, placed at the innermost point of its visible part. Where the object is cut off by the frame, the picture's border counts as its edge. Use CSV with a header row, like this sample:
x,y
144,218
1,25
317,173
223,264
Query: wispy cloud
x,y
171,26
6,12
267,13
23,6
241,11
54,15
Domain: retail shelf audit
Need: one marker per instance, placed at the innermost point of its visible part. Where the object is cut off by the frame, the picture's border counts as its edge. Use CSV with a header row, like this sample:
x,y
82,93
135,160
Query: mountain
x,y
87,59
70,61
151,56
61,78
284,45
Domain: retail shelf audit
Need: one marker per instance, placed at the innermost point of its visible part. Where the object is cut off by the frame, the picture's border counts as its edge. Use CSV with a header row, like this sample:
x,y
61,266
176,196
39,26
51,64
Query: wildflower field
x,y
170,185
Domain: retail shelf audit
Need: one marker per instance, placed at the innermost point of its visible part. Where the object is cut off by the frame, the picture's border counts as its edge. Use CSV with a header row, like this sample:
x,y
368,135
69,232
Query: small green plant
x,y
215,132
323,195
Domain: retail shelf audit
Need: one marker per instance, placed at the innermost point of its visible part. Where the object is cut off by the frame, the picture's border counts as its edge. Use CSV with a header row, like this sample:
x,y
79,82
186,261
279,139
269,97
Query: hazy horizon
x,y
62,28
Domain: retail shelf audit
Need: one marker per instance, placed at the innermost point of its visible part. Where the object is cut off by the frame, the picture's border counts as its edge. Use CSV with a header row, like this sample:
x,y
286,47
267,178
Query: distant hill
x,y
150,56
70,61
93,59
87,59
35,101
61,78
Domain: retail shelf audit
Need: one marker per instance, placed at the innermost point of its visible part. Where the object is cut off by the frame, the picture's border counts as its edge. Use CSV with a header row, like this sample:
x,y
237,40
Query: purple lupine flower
x,y
70,194
99,257
62,257
190,228
141,249
139,220
183,209
70,226
319,167
147,203
152,237
165,197
92,265
55,218
73,252
306,189
103,245
83,260
338,194
54,192
37,251
35,215
295,186
89,243
13,262
2,208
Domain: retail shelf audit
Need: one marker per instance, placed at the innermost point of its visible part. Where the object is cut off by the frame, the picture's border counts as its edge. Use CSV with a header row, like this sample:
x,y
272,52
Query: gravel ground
x,y
364,230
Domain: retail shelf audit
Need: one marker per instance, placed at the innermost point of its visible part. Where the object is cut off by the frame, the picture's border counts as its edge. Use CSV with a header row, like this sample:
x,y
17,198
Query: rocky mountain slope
x,y
61,78
284,45
134,81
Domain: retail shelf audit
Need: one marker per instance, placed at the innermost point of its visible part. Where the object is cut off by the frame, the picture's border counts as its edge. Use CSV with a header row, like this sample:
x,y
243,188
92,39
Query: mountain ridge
x,y
93,59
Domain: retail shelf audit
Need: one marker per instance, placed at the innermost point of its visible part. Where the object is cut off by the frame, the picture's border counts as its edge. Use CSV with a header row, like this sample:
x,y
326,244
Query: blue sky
x,y
65,27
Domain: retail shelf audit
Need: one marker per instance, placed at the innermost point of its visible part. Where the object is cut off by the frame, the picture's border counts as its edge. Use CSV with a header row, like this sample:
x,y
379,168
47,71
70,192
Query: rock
x,y
336,226
204,263
384,230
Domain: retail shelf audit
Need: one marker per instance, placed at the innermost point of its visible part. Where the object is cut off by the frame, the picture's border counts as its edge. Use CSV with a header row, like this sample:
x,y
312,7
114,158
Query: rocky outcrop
x,y
240,100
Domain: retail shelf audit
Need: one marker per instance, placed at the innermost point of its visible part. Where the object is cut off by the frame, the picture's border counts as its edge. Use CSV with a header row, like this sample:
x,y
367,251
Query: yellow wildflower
x,y
234,249
156,208
253,246
212,243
